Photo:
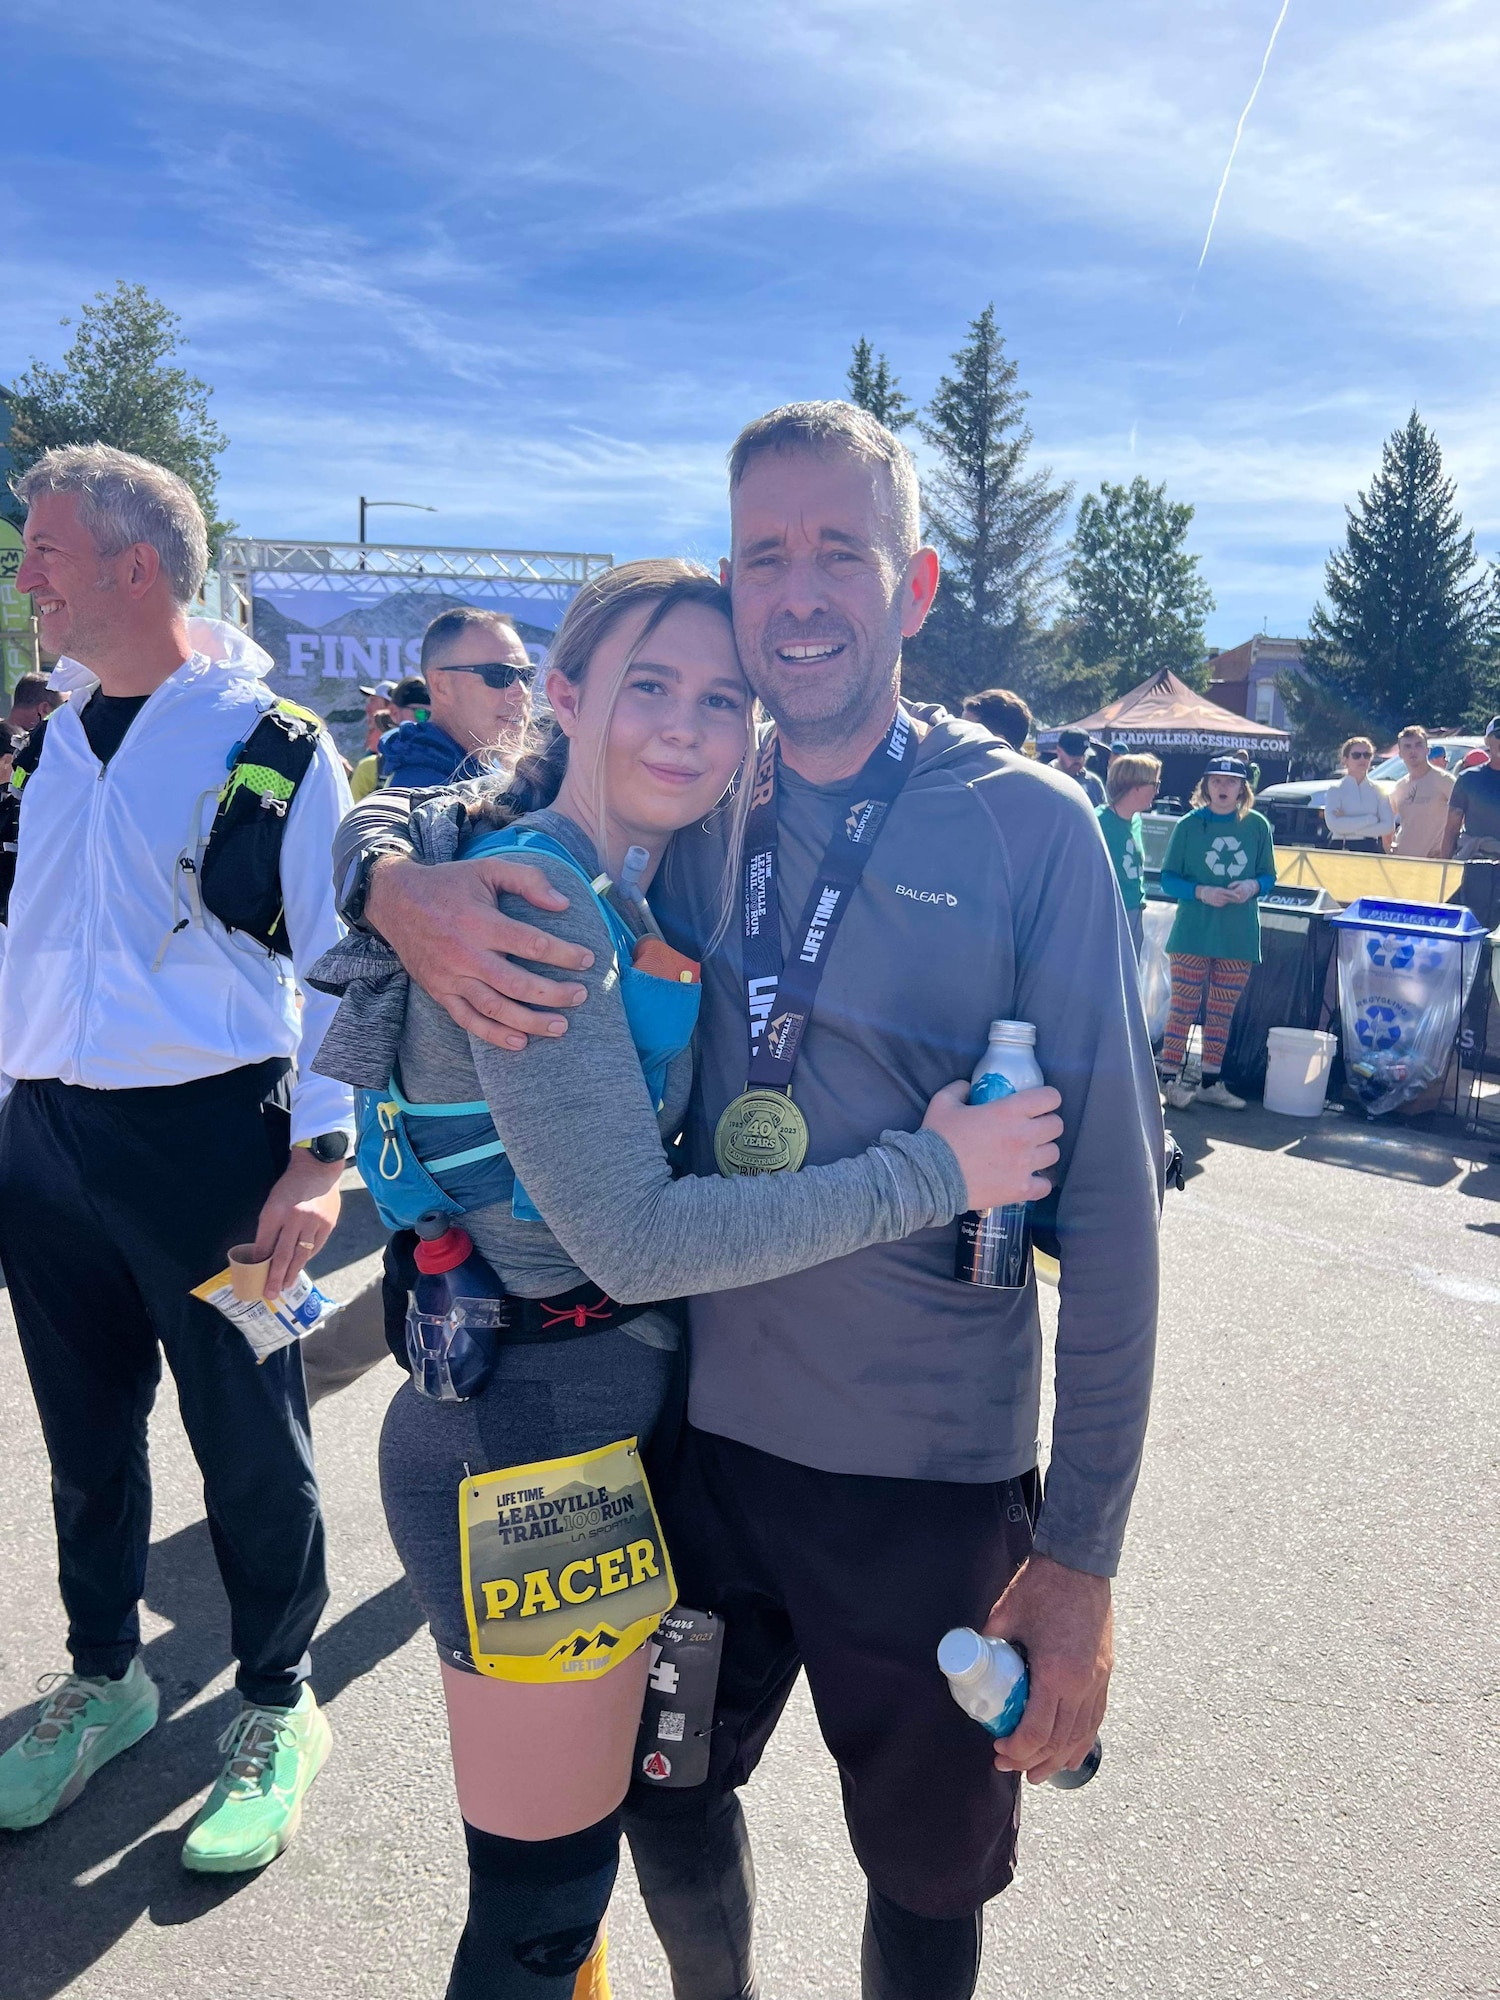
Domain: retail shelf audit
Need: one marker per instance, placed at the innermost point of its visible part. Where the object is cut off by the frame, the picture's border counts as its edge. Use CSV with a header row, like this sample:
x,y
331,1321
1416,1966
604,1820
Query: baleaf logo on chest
x,y
944,898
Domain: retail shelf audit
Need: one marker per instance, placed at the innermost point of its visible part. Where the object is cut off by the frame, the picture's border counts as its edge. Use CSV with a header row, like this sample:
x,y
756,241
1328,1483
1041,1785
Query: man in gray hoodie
x,y
859,1466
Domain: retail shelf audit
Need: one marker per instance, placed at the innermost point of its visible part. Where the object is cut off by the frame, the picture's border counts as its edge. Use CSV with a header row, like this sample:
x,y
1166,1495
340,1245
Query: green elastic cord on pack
x,y
260,779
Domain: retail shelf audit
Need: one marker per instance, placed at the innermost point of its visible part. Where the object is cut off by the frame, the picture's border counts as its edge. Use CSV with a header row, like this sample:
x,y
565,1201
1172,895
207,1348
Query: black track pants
x,y
113,1205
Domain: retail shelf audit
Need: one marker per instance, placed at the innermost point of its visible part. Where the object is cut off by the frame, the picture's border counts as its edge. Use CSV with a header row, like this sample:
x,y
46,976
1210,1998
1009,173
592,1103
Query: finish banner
x,y
331,635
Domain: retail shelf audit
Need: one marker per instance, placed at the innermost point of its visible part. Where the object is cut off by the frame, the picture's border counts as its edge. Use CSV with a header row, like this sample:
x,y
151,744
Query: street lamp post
x,y
365,506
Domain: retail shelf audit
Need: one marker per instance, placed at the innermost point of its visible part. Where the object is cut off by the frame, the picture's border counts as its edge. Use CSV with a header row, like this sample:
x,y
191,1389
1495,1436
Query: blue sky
x,y
536,269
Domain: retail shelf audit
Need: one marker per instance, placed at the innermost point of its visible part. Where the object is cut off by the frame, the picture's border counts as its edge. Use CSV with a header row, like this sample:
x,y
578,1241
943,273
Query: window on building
x,y
1265,701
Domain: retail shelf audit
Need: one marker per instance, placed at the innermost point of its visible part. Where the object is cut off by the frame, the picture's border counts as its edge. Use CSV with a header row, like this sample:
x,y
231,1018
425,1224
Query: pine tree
x,y
873,387
995,524
114,388
1135,598
1409,624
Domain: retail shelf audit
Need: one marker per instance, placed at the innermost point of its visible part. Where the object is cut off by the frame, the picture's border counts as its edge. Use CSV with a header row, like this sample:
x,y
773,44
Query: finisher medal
x,y
762,1131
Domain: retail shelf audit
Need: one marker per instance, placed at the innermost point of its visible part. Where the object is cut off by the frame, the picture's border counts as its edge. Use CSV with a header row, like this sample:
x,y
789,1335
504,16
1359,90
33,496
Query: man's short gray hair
x,y
124,499
838,427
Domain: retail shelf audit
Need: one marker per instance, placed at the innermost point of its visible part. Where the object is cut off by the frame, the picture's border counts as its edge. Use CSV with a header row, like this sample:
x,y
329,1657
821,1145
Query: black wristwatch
x,y
355,885
327,1147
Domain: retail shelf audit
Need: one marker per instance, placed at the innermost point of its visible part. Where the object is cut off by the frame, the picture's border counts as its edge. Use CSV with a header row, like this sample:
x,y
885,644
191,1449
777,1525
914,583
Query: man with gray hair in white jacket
x,y
172,879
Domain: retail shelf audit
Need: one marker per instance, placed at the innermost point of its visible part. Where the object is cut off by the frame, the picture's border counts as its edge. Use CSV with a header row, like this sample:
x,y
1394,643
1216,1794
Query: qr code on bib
x,y
670,1725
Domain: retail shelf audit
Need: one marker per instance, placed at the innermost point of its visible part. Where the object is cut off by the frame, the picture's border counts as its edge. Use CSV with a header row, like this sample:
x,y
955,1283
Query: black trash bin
x,y
1287,988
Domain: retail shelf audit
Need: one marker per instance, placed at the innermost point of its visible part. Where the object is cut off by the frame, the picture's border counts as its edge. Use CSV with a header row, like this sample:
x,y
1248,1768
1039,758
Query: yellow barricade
x,y
1393,878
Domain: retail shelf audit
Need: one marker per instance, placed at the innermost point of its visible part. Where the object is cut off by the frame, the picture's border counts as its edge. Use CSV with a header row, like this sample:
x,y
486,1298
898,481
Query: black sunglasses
x,y
497,673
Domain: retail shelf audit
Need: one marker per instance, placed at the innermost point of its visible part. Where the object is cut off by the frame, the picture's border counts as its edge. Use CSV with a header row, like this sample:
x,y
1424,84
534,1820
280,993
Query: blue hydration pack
x,y
445,1159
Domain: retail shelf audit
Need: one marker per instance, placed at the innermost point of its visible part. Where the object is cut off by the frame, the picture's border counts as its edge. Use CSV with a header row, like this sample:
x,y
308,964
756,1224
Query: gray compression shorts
x,y
543,1400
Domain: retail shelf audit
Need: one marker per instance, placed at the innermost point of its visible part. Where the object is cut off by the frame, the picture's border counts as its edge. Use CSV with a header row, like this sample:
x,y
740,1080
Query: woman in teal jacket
x,y
1219,862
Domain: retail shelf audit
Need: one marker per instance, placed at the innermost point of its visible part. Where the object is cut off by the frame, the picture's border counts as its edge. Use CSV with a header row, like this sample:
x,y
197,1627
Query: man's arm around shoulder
x,y
443,923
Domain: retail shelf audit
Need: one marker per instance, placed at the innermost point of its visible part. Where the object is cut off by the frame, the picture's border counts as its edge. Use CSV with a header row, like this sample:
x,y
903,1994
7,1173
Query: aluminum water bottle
x,y
994,1244
988,1680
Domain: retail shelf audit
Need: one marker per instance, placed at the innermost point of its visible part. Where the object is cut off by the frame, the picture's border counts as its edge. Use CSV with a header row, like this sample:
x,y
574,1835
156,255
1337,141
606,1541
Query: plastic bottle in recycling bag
x,y
454,1319
988,1680
994,1244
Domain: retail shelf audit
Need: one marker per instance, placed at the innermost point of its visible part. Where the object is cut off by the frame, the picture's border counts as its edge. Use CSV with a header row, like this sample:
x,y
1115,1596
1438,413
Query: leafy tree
x,y
115,387
995,523
1408,630
1136,602
873,387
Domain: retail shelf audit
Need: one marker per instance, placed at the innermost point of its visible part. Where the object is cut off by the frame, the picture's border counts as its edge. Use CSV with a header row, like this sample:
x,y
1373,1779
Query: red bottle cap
x,y
443,1253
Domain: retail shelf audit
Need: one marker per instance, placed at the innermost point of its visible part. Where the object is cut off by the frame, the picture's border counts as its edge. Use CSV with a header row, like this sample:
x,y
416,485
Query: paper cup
x,y
247,1272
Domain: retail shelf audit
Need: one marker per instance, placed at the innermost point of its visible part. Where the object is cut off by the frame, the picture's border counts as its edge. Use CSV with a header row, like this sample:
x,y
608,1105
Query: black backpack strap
x,y
240,873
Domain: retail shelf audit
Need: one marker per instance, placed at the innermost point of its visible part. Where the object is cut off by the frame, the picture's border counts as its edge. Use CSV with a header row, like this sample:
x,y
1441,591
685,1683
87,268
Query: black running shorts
x,y
856,1579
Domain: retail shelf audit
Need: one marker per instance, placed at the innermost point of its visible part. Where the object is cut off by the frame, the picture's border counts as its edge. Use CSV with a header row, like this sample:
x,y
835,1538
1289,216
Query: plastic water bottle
x,y
454,1321
988,1680
994,1244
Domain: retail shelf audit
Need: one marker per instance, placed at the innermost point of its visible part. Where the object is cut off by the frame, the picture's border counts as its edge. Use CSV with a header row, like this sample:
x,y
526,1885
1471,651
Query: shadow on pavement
x,y
1427,1155
73,1888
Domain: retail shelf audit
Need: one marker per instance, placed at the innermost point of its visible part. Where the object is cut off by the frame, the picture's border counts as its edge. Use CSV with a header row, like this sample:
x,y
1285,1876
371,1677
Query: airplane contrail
x,y
1239,131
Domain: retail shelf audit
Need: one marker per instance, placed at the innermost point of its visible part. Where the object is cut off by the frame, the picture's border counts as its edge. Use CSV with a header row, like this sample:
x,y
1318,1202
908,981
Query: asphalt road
x,y
1299,1794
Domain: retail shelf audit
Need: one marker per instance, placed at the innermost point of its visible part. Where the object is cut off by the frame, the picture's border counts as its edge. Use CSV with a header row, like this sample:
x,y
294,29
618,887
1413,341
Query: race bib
x,y
564,1567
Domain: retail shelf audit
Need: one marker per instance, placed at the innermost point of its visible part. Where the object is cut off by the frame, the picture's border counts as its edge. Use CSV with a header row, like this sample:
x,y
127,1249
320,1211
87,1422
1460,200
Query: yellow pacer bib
x,y
565,1570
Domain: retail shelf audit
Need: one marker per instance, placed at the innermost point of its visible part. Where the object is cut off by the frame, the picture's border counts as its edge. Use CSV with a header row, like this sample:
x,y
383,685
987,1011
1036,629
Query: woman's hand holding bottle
x,y
1004,1147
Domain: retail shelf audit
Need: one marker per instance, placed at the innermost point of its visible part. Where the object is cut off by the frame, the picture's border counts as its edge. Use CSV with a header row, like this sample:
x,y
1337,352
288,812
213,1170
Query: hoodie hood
x,y
213,640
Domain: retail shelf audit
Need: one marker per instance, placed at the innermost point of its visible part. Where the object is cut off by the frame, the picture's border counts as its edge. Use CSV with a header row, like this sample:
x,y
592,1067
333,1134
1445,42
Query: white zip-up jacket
x,y
114,976
1358,809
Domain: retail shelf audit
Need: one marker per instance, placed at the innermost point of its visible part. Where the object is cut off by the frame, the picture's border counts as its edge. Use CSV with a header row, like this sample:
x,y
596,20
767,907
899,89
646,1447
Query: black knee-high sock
x,y
692,1859
906,1957
535,1907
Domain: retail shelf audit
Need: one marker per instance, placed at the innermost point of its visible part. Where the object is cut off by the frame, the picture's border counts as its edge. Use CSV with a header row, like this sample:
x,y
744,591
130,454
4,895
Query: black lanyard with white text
x,y
762,1131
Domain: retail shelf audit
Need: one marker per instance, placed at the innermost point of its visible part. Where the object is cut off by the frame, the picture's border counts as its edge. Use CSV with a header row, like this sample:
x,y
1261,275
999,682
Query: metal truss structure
x,y
540,574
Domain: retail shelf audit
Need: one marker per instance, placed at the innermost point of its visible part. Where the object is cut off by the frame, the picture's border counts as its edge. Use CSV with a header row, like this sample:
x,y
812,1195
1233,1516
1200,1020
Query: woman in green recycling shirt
x,y
1219,862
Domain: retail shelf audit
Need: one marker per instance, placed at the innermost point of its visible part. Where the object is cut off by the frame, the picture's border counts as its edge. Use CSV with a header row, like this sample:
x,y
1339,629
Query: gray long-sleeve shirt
x,y
586,1143
989,894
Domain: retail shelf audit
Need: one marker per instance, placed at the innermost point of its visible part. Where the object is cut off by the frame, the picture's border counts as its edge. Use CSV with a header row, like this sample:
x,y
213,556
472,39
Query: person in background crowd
x,y
1219,862
873,1395
367,771
1002,713
1073,748
10,814
1132,785
478,673
377,709
1474,805
157,1118
31,702
1420,799
1357,812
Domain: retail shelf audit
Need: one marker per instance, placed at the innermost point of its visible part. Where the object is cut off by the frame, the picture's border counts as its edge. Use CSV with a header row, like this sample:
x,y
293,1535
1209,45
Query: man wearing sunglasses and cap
x,y
478,677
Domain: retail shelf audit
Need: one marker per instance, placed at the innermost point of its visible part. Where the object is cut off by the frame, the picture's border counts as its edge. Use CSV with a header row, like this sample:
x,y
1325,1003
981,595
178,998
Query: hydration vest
x,y
460,1165
239,875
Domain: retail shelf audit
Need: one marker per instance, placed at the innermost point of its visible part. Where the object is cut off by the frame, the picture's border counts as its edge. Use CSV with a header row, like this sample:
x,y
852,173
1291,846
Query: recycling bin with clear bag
x,y
1405,970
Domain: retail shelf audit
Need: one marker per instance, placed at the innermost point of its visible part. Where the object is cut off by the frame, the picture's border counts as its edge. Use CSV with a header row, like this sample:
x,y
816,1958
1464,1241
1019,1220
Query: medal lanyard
x,y
779,998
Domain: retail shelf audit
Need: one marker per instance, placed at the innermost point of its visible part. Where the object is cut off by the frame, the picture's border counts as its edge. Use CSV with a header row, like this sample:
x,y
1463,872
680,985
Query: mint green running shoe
x,y
272,1755
78,1728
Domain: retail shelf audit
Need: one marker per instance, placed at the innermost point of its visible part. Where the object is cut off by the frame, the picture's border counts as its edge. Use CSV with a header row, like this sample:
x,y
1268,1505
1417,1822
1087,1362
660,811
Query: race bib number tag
x,y
564,1567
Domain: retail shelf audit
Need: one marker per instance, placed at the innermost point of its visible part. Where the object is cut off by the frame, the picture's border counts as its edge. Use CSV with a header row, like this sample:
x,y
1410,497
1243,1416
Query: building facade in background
x,y
1244,678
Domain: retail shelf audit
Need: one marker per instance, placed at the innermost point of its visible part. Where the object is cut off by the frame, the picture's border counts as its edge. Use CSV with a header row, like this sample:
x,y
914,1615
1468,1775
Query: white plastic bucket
x,y
1297,1064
